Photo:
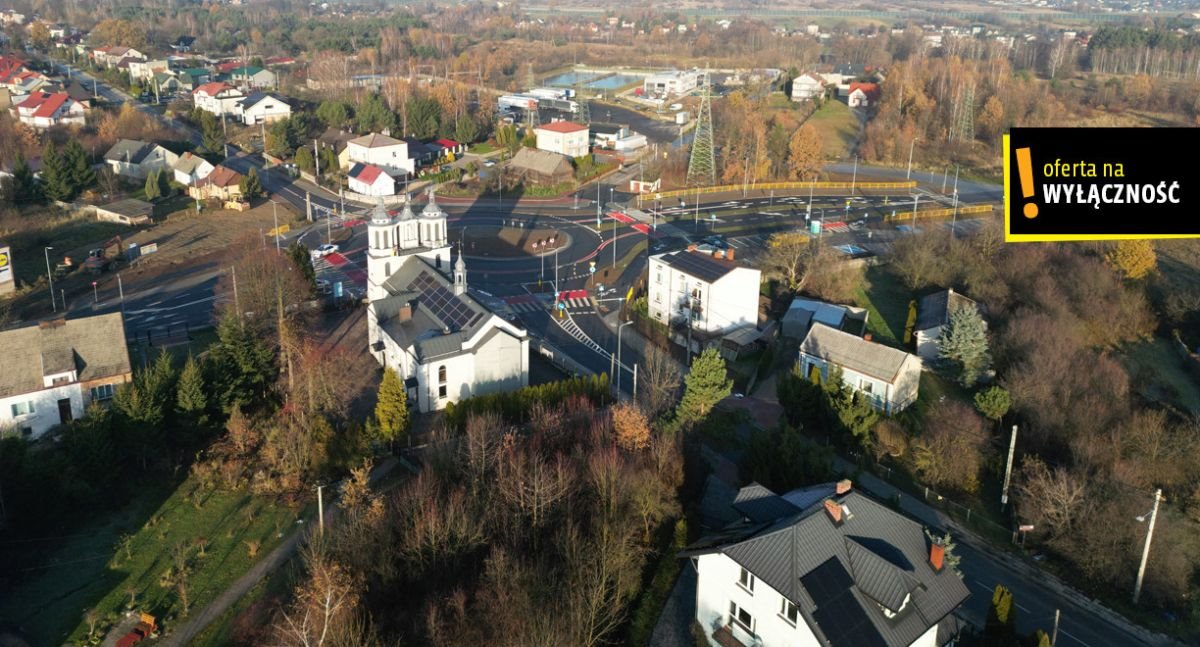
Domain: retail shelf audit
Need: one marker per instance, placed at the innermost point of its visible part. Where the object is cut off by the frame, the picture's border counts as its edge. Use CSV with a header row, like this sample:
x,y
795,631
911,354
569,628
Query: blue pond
x,y
613,82
569,79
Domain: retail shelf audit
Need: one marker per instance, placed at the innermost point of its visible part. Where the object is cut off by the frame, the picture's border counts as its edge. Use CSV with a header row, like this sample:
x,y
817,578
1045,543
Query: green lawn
x,y
482,148
69,236
94,571
886,298
1158,373
838,128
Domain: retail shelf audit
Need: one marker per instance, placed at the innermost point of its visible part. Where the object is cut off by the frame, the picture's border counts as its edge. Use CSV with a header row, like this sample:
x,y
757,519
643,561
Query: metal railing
x,y
771,186
940,213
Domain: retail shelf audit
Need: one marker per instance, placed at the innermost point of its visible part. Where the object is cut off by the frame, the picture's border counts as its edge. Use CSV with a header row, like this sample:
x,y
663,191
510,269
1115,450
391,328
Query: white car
x,y
325,250
489,163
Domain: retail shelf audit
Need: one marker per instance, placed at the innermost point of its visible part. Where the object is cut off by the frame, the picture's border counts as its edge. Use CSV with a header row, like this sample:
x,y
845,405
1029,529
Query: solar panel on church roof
x,y
454,312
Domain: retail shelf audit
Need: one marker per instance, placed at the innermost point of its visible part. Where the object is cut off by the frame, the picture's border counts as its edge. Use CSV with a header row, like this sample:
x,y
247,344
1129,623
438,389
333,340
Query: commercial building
x,y
563,137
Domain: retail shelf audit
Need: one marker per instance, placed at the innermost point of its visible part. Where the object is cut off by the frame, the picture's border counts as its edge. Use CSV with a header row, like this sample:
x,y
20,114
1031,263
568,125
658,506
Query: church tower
x,y
460,274
382,243
433,235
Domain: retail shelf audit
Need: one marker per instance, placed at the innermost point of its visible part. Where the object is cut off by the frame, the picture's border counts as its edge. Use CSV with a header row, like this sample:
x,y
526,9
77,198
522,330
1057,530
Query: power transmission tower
x,y
964,123
585,110
701,165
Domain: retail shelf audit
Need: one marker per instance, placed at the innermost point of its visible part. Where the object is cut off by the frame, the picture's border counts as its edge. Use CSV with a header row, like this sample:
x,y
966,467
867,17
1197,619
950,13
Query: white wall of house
x,y
159,158
265,112
45,408
858,99
143,70
889,397
201,171
729,303
805,88
719,584
224,103
928,348
392,158
572,144
384,185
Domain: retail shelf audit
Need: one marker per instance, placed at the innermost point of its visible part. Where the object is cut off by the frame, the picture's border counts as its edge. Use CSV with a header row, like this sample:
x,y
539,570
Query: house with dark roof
x,y
424,323
538,167
825,565
888,377
136,159
702,297
933,314
252,76
803,313
55,369
191,168
262,108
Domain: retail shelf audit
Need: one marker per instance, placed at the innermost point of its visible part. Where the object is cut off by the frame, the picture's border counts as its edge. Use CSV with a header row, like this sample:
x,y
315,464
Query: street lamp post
x,y
598,204
619,365
908,175
1137,588
808,214
916,199
275,215
854,178
50,277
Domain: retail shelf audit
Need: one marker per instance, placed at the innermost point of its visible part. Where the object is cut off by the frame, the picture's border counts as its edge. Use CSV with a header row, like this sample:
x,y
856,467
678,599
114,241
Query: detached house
x,y
43,110
702,297
368,179
55,369
933,313
190,169
262,108
223,183
825,566
807,87
136,159
383,151
252,77
217,98
888,377
863,95
563,137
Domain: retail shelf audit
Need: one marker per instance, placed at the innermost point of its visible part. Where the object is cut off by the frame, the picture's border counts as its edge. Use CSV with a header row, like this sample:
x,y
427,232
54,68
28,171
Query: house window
x,y
746,580
866,387
103,392
441,382
788,611
741,616
22,408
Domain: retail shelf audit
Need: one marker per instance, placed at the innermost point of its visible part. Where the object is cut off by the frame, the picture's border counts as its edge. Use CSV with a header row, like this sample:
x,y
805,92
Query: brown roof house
x,y
55,369
539,167
222,184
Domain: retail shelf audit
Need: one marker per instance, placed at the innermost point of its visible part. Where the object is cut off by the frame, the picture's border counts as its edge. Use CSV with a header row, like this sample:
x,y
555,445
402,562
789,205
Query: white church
x,y
423,323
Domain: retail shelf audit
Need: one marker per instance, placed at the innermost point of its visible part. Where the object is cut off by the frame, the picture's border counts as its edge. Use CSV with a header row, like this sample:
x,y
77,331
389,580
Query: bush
x,y
514,406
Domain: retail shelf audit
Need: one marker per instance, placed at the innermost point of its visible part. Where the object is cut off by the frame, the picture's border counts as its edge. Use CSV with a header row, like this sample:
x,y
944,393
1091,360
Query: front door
x,y
64,410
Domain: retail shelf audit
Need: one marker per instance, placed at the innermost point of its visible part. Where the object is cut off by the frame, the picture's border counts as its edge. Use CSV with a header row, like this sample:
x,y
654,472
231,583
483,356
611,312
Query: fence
x,y
770,186
941,213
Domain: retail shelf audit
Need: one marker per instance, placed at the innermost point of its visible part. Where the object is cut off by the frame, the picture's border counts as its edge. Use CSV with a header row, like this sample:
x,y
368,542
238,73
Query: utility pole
x,y
320,510
635,381
275,215
308,205
50,277
916,199
237,303
1012,448
1137,588
316,160
1054,636
908,175
854,178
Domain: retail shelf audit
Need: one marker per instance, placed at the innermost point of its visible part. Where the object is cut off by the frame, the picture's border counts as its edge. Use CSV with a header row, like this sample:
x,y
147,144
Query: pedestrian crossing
x,y
571,328
573,305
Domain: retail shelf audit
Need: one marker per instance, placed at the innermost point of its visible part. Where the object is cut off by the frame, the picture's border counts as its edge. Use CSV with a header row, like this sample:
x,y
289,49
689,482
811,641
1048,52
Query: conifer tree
x,y
190,398
250,186
391,408
56,181
78,167
151,187
24,188
964,346
706,384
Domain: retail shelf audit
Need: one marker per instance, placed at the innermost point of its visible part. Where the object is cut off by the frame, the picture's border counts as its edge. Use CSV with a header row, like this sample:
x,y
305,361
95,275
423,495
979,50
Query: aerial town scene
x,y
699,323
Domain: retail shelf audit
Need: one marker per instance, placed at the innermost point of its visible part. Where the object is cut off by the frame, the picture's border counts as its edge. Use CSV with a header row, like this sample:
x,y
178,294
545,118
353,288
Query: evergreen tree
x,y
706,384
999,625
212,134
164,183
243,364
56,180
854,411
373,115
190,398
964,346
424,116
152,185
993,402
302,259
250,186
506,136
466,130
23,188
78,166
333,114
391,409
304,159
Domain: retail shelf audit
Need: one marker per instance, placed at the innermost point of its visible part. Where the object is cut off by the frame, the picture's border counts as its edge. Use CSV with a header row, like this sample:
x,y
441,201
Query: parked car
x,y
325,250
489,163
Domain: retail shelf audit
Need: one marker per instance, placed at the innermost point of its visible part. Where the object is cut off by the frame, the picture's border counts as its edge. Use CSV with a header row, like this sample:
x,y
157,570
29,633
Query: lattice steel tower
x,y
584,116
702,165
964,126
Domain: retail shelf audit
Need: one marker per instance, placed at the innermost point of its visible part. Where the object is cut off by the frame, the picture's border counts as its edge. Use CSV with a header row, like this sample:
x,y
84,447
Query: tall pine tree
x,y
243,362
391,409
152,185
78,167
190,398
23,188
56,180
250,186
963,346
706,384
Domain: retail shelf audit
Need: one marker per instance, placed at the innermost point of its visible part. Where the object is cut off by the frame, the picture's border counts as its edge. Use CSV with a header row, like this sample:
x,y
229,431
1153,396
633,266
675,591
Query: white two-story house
x,y
262,108
888,377
218,98
563,137
698,293
383,151
43,110
55,369
823,567
423,322
807,87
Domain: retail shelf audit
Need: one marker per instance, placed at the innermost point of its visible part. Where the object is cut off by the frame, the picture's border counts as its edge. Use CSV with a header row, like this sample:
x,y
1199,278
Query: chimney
x,y
691,248
867,337
729,254
405,313
937,554
843,486
719,254
834,510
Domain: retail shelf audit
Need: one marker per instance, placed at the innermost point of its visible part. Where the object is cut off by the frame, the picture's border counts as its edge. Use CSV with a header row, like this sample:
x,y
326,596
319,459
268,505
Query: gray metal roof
x,y
130,150
934,309
129,207
256,97
841,576
852,352
93,346
759,504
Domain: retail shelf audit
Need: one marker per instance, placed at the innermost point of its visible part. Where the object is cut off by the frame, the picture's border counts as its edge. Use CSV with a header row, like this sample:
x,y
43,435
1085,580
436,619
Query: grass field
x,y
1157,369
838,128
68,235
120,561
886,299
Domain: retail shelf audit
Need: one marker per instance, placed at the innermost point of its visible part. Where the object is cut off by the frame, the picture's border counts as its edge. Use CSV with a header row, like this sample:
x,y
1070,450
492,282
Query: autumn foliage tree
x,y
631,427
1132,259
804,153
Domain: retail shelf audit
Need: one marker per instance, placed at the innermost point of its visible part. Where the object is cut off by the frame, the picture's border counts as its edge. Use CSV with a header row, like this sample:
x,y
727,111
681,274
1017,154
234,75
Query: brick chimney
x,y
867,337
937,555
719,254
834,510
691,248
729,254
843,486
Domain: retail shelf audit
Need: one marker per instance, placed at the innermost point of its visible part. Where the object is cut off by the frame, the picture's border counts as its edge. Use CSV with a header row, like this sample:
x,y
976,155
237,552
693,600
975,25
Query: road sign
x,y
1025,527
562,305
592,267
149,248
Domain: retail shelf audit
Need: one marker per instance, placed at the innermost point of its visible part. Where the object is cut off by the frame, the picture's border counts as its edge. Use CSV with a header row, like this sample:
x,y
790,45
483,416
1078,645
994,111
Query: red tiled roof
x,y
222,176
869,89
213,88
562,127
44,104
369,173
228,66
446,143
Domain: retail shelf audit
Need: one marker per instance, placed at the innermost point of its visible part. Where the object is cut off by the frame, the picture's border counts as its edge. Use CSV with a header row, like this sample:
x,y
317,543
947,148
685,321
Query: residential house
x,y
145,70
166,83
191,78
223,184
136,159
421,153
217,98
803,314
424,323
450,147
111,56
888,377
55,369
383,151
11,17
338,141
702,297
252,77
807,86
563,137
536,167
933,314
190,169
368,179
43,110
615,137
84,95
823,565
262,108
126,212
863,95
183,43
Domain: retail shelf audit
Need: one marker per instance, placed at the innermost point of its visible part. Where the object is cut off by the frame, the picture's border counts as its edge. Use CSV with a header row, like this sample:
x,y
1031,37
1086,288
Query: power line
x,y
701,165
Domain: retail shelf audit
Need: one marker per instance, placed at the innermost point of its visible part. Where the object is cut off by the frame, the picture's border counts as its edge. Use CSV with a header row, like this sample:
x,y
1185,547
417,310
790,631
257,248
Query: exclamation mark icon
x,y
1025,172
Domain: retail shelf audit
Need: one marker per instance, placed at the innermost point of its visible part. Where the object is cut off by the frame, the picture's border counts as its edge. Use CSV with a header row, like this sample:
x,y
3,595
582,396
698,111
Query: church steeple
x,y
460,274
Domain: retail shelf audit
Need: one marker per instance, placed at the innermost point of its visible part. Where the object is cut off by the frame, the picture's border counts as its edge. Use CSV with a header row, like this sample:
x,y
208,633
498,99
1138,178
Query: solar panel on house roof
x,y
451,310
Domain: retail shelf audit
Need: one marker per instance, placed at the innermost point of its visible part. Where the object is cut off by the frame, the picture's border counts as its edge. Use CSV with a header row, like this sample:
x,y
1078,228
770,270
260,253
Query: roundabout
x,y
496,242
